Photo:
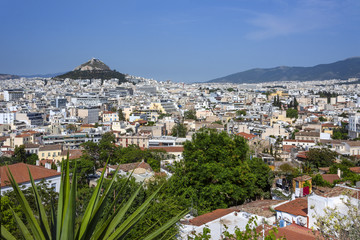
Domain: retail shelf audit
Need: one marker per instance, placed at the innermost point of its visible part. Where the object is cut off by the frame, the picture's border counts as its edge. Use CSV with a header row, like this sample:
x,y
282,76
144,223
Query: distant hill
x,y
48,75
93,69
348,68
8,76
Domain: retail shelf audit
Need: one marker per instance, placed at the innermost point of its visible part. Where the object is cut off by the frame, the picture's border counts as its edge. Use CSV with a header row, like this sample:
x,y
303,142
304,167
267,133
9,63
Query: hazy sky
x,y
184,40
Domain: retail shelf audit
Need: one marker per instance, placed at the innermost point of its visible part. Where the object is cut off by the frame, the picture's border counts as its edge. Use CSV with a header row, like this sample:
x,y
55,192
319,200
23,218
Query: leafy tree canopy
x,y
190,114
292,113
321,157
179,130
216,172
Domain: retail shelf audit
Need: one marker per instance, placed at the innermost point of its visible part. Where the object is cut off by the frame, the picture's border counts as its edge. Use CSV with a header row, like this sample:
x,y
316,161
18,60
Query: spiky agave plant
x,y
94,223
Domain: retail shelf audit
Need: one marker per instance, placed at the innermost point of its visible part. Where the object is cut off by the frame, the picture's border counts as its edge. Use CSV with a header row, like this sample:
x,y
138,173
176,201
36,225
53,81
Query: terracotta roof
x,y
211,216
328,125
169,149
287,148
330,177
247,136
308,134
73,153
259,207
335,191
87,125
23,135
325,169
130,166
294,140
31,145
292,232
353,143
303,178
21,174
297,207
355,169
50,148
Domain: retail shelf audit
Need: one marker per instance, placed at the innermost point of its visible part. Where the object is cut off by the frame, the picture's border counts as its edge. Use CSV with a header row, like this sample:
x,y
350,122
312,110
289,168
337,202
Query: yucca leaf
x,y
98,209
130,220
165,226
91,205
6,234
119,194
106,219
121,213
44,224
68,228
34,225
63,197
25,232
53,224
122,234
149,229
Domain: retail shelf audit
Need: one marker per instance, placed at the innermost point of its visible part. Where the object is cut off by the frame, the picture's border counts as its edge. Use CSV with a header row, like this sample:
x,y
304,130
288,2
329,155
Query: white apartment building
x,y
354,125
7,117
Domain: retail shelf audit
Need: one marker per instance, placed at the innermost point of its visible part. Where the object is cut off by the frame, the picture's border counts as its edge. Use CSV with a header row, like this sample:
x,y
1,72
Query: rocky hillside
x,y
348,68
92,69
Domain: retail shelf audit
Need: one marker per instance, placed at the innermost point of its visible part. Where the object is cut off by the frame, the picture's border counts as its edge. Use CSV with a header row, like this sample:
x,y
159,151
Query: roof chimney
x,y
58,168
339,172
37,162
48,165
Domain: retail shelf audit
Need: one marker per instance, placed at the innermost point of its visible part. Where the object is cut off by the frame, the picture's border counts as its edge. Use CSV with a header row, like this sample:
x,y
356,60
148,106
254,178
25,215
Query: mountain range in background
x,y
345,69
8,76
92,69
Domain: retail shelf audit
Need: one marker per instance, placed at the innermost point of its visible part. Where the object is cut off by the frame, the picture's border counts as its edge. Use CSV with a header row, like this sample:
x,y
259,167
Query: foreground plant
x,y
94,224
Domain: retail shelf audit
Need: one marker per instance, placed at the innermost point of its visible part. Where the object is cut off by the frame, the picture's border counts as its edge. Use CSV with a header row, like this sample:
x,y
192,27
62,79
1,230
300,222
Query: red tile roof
x,y
169,149
297,207
73,153
21,174
330,177
245,135
292,232
211,216
355,169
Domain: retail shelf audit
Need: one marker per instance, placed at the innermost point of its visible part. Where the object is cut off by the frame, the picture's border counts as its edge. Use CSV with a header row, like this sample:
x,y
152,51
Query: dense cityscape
x,y
181,120
230,157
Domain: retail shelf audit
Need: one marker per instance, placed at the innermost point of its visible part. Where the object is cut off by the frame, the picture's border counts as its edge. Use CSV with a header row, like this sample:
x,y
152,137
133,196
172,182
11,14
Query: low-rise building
x,y
20,172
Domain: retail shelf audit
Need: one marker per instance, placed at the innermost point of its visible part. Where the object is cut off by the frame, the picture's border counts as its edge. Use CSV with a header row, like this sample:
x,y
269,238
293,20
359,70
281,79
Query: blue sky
x,y
184,41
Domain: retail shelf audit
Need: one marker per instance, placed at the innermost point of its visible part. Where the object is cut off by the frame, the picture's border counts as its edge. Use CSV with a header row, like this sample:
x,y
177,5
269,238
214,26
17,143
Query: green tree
x,y
321,157
71,127
97,221
190,114
121,115
341,224
292,113
322,119
317,180
20,153
133,153
296,104
215,172
241,112
179,130
7,219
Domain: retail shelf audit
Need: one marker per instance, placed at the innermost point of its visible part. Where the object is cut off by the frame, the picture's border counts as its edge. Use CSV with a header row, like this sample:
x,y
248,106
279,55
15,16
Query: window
x,y
297,184
49,154
43,154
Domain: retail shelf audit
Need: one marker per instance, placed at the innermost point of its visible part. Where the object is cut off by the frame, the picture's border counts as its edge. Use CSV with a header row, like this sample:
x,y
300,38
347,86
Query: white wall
x,y
231,220
52,180
317,204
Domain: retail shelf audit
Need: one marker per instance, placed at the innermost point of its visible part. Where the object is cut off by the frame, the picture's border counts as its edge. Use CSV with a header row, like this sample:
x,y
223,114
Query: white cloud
x,y
305,16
